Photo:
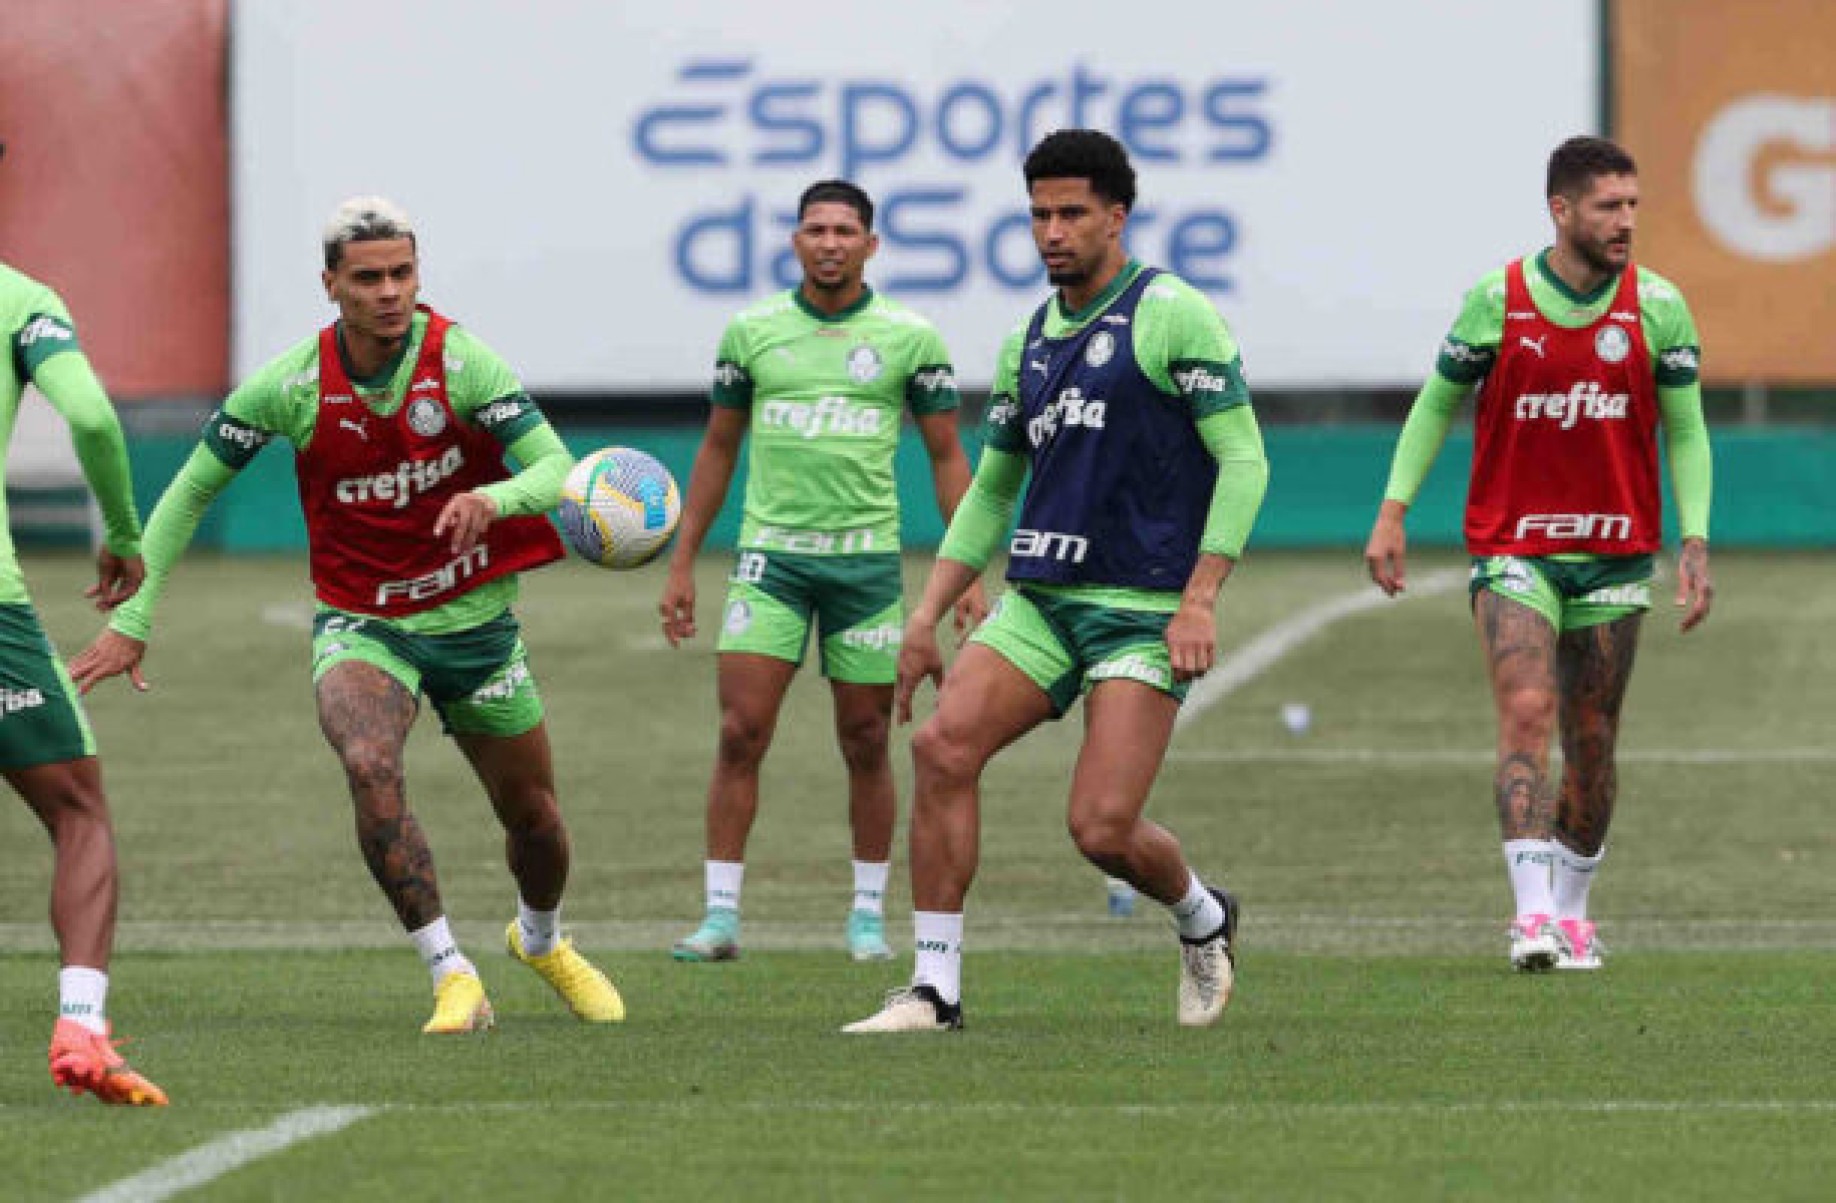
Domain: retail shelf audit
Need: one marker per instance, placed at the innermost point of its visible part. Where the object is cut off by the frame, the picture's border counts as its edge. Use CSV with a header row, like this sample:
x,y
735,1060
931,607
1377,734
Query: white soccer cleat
x,y
1208,969
1577,947
1533,944
914,1009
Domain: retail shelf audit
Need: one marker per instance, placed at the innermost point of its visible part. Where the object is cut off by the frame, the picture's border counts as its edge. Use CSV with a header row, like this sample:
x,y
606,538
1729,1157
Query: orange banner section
x,y
1730,110
115,185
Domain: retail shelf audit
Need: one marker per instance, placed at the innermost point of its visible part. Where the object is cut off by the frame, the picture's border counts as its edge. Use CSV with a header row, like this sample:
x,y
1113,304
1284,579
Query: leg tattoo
x,y
365,715
1520,652
1595,664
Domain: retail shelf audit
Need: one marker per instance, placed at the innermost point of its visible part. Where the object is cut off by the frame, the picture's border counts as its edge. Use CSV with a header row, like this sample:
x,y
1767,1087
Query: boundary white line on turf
x,y
212,1160
1410,758
1315,933
1256,657
1188,1107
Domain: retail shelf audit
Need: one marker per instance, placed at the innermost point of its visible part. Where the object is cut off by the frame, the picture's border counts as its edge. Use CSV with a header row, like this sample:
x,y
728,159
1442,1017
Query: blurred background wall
x,y
600,186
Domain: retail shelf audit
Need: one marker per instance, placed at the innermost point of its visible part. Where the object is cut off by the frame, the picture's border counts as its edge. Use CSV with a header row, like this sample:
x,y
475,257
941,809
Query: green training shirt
x,y
40,348
825,396
281,400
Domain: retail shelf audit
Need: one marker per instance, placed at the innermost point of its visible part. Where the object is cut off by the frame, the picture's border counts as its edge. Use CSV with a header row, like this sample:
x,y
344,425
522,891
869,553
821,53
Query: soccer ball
x,y
619,507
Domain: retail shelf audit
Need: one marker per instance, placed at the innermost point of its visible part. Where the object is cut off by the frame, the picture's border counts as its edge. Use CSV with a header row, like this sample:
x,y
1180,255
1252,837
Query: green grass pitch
x,y
1378,1047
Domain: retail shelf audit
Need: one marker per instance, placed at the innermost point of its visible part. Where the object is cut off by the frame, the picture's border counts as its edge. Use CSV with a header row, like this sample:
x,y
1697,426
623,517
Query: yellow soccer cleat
x,y
460,1006
587,992
82,1060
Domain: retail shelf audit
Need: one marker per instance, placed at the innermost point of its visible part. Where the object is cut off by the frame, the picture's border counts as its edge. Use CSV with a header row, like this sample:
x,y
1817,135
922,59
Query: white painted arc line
x,y
231,1151
1256,657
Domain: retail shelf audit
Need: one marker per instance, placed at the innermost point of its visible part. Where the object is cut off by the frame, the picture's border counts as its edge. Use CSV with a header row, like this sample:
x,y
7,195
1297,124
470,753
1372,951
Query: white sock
x,y
1574,873
82,996
937,937
870,885
1527,861
439,951
724,878
1198,915
541,930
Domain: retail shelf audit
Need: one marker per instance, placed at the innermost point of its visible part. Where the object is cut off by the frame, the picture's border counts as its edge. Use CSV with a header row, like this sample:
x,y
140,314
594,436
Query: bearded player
x,y
1580,356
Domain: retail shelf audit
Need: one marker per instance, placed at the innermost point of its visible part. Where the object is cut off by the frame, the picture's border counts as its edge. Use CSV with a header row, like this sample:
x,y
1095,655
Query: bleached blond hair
x,y
364,219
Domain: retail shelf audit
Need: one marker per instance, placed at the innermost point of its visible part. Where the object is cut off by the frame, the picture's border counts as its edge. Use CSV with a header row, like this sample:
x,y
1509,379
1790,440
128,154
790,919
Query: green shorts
x,y
1570,594
41,717
1066,646
478,679
856,602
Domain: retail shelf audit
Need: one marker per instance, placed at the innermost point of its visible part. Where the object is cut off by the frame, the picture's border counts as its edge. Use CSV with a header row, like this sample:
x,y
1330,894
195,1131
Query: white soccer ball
x,y
619,507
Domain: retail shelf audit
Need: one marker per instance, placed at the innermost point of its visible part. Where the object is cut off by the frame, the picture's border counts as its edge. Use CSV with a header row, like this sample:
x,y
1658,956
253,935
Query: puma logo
x,y
1535,344
357,426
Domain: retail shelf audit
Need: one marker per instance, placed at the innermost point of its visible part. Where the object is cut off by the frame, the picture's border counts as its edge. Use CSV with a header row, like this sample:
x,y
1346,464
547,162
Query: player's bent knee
x,y
1102,840
940,754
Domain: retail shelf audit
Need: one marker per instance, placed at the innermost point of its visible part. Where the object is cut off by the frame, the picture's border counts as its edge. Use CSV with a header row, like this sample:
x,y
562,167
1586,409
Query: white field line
x,y
1256,657
1091,930
1411,758
1186,1108
231,1151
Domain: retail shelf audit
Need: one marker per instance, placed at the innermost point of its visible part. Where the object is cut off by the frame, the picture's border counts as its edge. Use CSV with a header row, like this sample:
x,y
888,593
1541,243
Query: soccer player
x,y
821,375
399,421
47,752
1124,396
1579,355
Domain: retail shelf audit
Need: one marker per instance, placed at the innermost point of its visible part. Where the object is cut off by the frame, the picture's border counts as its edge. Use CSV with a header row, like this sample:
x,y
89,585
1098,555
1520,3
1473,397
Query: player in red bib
x,y
400,421
1580,357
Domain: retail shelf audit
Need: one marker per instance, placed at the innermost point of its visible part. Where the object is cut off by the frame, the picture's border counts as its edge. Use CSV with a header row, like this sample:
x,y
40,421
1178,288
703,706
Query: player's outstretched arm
x,y
70,385
1695,588
1386,554
709,479
919,656
1192,635
950,478
118,578
110,655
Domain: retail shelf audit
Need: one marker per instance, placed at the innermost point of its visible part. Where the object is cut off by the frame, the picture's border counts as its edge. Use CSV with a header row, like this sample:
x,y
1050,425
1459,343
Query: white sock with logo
x,y
1198,915
540,930
1574,874
937,938
1527,861
439,951
724,878
870,885
82,996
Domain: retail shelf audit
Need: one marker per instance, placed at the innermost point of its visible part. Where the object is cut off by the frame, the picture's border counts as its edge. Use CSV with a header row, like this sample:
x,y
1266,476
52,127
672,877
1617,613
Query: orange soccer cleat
x,y
82,1060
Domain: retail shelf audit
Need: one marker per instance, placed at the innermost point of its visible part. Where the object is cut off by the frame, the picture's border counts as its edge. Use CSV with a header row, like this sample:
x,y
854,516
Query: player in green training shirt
x,y
1123,397
821,376
1580,355
47,752
399,421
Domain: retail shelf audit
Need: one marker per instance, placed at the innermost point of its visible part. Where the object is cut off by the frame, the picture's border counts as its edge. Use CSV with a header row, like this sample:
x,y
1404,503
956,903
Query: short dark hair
x,y
1574,164
1084,154
842,192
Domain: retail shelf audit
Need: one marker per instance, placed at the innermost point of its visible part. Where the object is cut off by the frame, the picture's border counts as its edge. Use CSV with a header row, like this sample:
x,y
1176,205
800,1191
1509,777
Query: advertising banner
x,y
115,185
1730,111
599,187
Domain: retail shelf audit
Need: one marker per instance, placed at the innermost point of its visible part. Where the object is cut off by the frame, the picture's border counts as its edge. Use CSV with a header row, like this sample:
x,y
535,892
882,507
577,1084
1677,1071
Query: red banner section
x,y
115,185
